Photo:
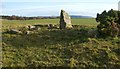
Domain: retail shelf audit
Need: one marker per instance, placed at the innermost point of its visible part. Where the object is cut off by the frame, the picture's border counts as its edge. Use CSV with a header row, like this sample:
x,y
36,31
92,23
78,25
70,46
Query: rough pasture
x,y
59,48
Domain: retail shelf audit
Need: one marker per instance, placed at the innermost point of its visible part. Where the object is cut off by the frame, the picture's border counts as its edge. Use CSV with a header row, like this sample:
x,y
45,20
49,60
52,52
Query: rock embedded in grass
x,y
50,26
14,31
31,27
27,32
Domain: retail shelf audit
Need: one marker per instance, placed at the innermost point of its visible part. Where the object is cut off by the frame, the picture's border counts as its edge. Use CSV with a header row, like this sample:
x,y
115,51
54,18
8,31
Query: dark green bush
x,y
109,23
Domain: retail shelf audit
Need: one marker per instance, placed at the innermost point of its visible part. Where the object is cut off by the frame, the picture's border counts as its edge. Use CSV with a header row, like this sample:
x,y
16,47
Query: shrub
x,y
109,23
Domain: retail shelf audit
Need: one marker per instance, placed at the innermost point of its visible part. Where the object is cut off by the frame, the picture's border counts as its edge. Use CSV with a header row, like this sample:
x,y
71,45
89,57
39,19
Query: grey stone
x,y
50,26
31,28
14,31
65,20
27,32
56,27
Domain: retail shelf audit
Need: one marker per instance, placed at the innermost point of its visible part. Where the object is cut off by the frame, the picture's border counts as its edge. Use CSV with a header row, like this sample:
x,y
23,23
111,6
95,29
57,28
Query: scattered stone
x,y
4,44
31,28
56,27
65,20
14,31
27,32
50,26
38,28
26,27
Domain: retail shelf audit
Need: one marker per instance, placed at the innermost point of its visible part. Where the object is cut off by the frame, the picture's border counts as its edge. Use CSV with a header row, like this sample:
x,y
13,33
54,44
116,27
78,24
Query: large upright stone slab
x,y
65,20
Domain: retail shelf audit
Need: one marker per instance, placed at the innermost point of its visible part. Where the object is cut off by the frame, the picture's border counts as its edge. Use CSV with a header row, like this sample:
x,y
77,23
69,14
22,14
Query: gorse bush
x,y
109,23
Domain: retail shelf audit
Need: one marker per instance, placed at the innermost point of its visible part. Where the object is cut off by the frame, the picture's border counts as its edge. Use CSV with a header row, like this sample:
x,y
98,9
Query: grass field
x,y
15,23
59,48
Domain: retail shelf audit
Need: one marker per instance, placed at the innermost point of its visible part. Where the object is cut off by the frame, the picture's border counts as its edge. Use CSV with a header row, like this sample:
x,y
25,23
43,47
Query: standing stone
x,y
65,20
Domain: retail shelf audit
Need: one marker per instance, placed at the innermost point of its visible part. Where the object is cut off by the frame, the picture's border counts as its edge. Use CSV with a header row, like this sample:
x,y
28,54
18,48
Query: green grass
x,y
66,48
53,21
43,21
84,21
18,23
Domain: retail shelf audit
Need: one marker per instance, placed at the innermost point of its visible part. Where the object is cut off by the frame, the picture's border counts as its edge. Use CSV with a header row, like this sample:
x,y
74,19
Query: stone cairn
x,y
65,20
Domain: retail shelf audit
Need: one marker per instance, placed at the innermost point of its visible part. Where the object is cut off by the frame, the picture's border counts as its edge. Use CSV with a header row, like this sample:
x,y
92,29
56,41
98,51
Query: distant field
x,y
16,23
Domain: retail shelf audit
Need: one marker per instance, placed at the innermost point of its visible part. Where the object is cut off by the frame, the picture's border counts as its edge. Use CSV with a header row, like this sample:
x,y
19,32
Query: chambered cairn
x,y
65,20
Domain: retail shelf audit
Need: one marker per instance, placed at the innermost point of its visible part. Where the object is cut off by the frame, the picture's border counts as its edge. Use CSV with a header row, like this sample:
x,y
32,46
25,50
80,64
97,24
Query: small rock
x,y
31,28
50,26
14,31
56,27
27,32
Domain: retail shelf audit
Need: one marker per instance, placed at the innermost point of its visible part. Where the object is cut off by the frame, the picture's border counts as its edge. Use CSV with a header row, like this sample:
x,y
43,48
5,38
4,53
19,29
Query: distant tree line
x,y
13,17
109,23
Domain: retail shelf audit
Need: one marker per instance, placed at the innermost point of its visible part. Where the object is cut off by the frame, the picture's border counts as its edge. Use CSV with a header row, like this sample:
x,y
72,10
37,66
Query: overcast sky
x,y
53,7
